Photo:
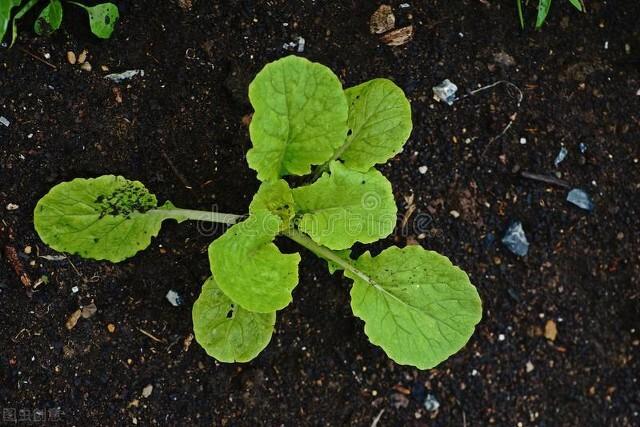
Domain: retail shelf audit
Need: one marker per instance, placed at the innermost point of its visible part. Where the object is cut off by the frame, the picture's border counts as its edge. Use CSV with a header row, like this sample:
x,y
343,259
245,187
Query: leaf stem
x,y
195,215
79,5
324,252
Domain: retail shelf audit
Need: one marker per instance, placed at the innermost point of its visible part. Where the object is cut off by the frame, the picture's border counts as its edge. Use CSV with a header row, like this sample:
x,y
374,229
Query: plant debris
x,y
382,20
398,37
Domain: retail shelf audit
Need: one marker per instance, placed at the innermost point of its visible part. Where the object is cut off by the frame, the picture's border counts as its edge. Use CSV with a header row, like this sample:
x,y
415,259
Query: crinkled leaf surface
x,y
300,117
250,269
228,332
379,124
345,207
109,217
49,19
419,308
274,197
5,14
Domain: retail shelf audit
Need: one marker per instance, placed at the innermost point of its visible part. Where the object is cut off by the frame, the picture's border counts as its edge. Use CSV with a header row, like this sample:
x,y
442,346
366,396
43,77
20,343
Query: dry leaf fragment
x,y
550,330
382,20
398,37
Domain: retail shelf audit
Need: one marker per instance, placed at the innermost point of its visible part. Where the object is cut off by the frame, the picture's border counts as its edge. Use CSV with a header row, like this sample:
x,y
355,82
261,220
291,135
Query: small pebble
x,y
515,240
12,207
529,367
431,404
523,141
4,121
82,57
86,66
580,198
146,392
75,290
47,56
561,156
501,337
454,214
27,250
71,58
173,297
111,328
422,169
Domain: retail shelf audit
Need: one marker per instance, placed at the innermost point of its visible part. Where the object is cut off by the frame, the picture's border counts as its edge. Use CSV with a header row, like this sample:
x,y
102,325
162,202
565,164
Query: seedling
x,y
543,10
415,304
102,17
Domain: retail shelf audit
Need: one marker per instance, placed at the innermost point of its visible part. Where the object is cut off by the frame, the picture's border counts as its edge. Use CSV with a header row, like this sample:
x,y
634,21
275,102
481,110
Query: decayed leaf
x,y
382,20
227,331
550,330
108,217
398,37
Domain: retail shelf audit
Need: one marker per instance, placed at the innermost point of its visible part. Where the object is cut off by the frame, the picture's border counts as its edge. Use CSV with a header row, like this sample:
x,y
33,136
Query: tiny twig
x,y
176,171
36,57
73,265
546,178
151,336
376,420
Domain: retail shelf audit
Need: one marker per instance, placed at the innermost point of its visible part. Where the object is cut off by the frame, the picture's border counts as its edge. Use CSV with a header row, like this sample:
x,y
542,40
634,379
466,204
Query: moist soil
x,y
180,130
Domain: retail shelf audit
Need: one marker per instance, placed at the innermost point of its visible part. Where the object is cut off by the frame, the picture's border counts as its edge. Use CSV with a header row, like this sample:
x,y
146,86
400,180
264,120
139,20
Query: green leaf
x,y
416,305
108,217
578,4
227,331
23,11
344,254
520,15
102,18
50,18
379,124
275,197
300,117
543,11
5,14
250,269
345,207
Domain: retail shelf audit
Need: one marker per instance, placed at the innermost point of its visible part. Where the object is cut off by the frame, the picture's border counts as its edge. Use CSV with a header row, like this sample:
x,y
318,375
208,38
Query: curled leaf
x,y
345,207
49,19
226,331
250,269
275,197
416,305
102,18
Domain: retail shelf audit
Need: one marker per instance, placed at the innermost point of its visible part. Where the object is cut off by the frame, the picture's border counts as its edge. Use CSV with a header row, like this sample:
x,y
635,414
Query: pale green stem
x,y
195,215
324,252
79,5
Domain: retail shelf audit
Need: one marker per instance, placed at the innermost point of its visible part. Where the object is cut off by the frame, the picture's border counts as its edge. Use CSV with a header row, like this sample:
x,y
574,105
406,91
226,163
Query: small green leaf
x,y
108,217
275,197
50,18
102,18
578,4
23,11
379,124
345,207
300,117
5,14
543,11
228,332
416,305
250,269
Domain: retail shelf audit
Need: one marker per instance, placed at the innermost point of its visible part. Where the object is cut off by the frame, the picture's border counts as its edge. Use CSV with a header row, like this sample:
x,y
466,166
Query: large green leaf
x,y
300,117
275,197
50,18
108,217
5,14
345,207
379,124
416,305
227,331
250,269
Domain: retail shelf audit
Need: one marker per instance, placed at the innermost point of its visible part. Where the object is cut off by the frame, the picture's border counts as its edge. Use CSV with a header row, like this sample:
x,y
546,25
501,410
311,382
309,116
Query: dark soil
x,y
182,124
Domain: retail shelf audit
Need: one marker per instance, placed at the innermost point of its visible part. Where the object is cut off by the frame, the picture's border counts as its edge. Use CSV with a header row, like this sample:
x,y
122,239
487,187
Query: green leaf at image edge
x,y
418,307
102,18
250,269
379,124
345,207
49,19
105,218
226,331
300,117
6,6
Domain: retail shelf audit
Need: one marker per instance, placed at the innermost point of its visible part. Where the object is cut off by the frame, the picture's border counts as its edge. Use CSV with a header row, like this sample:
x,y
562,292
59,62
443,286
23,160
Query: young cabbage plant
x,y
102,17
543,11
417,306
